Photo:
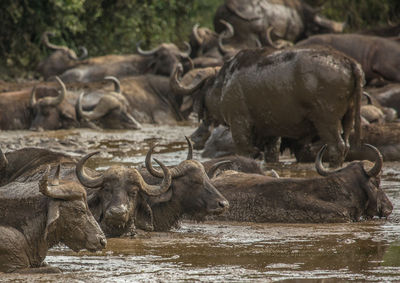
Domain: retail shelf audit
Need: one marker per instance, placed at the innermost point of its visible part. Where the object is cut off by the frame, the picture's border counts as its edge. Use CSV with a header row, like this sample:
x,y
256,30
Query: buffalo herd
x,y
272,77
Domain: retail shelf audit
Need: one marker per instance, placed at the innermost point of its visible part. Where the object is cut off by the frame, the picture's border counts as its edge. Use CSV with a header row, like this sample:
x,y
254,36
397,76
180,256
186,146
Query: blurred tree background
x,y
114,26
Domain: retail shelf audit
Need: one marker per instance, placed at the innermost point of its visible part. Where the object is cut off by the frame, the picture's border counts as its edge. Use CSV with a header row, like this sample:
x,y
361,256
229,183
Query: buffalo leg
x,y
242,135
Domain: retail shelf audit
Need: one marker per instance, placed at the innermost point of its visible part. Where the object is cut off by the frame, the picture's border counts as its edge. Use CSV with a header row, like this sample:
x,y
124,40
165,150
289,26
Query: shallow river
x,y
218,251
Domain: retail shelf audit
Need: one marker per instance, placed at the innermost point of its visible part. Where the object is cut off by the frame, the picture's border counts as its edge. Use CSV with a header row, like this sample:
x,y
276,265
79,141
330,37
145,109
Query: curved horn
x,y
45,40
190,148
84,52
274,173
318,162
157,190
146,53
369,99
3,161
229,33
211,172
186,54
195,31
269,38
180,89
69,191
150,167
374,171
106,104
54,101
117,84
81,113
85,179
282,43
32,100
176,171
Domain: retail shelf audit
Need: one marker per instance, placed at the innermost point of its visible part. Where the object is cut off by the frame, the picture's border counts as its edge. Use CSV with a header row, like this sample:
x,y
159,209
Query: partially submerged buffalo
x,y
160,60
290,20
36,215
62,59
378,56
386,137
191,194
65,110
299,93
348,194
16,112
111,112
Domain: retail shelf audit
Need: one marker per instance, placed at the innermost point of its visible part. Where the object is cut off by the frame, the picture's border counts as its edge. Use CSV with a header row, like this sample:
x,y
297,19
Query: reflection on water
x,y
220,251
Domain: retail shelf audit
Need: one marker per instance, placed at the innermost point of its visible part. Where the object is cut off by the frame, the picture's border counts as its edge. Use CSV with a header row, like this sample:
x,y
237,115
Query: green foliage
x,y
115,26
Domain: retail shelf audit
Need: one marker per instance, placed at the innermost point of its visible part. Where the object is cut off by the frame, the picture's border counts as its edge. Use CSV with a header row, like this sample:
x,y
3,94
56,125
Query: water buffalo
x,y
378,56
111,196
111,112
160,60
347,194
60,60
296,93
37,215
210,49
386,137
191,193
151,100
16,112
291,20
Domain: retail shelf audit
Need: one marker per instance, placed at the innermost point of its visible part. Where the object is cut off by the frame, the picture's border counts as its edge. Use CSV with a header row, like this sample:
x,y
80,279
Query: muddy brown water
x,y
218,251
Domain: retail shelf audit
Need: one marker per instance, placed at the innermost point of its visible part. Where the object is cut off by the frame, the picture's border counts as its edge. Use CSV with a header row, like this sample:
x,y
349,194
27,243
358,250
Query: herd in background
x,y
144,93
273,75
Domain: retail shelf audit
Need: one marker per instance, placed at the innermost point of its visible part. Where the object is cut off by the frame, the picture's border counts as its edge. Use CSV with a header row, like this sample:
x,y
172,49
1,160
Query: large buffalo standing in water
x,y
297,93
290,20
378,56
36,215
348,194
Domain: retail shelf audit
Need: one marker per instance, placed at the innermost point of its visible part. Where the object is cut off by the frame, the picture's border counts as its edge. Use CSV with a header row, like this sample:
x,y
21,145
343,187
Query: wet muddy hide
x,y
36,215
345,195
160,60
386,137
262,96
291,20
379,56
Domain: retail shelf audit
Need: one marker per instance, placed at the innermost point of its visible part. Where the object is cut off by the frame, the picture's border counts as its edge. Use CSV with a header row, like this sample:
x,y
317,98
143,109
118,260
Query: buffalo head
x,y
69,219
111,112
378,203
202,40
191,190
62,58
51,113
165,57
114,201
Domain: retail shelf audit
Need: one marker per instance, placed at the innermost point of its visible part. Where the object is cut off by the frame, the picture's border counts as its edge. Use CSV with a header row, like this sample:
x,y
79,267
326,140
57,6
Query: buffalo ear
x,y
53,214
